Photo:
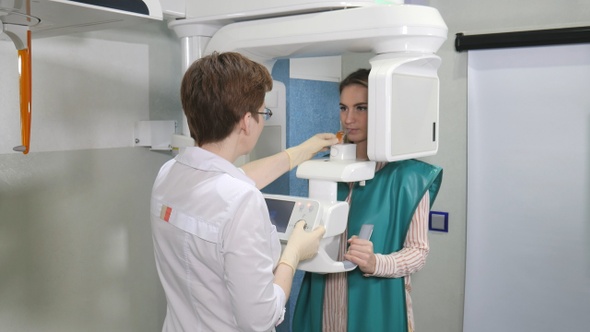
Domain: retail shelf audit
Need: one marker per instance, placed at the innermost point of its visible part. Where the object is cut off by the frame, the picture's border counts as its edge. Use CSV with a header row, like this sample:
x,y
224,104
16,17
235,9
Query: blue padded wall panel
x,y
312,107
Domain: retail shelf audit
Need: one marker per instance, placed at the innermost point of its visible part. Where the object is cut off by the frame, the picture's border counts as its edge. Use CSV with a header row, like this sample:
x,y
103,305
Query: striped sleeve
x,y
412,256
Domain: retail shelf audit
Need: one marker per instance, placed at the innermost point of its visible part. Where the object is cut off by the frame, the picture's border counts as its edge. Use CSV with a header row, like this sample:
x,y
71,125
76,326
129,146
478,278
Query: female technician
x,y
218,255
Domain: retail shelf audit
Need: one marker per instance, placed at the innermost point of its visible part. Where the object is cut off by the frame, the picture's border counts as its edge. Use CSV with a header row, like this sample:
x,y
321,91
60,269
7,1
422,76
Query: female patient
x,y
376,295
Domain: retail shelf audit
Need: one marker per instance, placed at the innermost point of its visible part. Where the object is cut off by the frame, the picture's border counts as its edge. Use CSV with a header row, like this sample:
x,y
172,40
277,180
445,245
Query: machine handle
x,y
365,234
322,263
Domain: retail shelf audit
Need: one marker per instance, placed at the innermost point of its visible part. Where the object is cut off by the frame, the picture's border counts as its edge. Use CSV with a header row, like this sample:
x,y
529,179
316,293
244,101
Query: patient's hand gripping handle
x,y
365,234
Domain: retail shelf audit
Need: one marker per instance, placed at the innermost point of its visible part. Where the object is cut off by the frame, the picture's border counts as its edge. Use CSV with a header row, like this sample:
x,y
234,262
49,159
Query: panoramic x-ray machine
x,y
403,97
403,83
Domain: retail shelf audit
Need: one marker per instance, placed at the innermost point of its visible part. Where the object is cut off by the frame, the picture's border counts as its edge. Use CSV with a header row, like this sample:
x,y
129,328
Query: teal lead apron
x,y
388,201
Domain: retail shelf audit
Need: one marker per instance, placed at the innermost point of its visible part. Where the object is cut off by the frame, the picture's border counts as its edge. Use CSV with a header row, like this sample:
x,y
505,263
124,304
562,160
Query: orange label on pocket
x,y
165,213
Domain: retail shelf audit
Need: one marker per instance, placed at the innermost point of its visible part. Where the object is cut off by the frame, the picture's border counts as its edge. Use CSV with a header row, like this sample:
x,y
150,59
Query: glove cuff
x,y
291,153
291,259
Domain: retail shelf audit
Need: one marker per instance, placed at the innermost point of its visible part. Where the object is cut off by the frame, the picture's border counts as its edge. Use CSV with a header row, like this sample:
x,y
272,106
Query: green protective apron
x,y
388,201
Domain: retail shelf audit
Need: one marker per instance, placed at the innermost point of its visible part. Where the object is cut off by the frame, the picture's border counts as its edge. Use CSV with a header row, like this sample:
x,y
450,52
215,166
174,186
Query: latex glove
x,y
302,245
309,148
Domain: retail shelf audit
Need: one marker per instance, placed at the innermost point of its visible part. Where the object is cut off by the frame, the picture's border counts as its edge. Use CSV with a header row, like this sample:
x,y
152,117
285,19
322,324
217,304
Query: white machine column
x,y
194,36
324,190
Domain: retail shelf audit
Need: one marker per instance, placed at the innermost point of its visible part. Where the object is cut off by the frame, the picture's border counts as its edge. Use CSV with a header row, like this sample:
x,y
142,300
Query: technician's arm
x,y
284,278
257,293
266,170
408,260
302,245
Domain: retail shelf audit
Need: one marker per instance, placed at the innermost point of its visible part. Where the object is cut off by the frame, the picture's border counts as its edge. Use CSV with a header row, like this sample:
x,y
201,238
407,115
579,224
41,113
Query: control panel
x,y
286,211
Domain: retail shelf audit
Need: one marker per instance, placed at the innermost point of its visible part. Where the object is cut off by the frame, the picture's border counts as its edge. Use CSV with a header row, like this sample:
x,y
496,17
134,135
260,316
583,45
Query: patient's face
x,y
353,113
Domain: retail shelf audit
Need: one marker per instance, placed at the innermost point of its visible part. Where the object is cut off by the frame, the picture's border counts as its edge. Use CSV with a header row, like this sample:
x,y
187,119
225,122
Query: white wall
x,y
75,239
89,89
438,288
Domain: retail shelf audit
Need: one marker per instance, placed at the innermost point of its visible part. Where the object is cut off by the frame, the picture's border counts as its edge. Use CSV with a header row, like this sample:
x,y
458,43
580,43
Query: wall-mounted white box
x,y
155,134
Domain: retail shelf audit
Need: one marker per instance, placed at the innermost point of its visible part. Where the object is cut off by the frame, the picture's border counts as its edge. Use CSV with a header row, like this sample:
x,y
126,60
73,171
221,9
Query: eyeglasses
x,y
266,114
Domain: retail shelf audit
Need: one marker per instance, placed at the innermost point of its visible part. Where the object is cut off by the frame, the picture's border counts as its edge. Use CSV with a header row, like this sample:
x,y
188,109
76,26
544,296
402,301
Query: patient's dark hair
x,y
361,77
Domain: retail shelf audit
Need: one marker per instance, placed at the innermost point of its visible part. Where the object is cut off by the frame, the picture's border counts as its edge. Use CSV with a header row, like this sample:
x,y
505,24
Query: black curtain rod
x,y
522,38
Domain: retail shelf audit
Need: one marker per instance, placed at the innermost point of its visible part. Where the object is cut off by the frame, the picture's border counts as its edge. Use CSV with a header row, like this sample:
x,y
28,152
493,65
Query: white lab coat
x,y
215,247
